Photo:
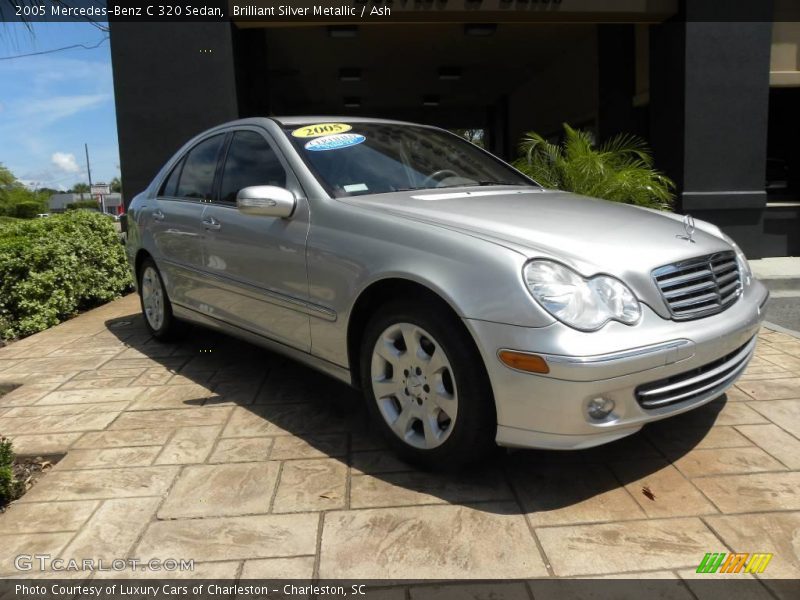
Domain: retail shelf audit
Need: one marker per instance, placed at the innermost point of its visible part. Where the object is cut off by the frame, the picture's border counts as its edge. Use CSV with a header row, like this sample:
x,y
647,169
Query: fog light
x,y
599,408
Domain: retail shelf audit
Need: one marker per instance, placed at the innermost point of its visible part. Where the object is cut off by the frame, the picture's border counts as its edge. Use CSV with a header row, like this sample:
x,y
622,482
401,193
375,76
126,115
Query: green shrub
x,y
9,486
52,268
620,170
82,204
27,210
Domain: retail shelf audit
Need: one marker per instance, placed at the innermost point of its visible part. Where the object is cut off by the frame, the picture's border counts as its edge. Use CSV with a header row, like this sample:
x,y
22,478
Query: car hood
x,y
593,236
590,234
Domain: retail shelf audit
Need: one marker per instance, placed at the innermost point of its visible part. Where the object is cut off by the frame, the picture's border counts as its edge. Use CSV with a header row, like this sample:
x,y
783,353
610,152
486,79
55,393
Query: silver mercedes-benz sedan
x,y
469,304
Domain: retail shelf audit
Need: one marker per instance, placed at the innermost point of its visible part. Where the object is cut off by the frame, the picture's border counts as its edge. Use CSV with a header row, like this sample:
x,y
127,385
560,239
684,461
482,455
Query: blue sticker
x,y
334,142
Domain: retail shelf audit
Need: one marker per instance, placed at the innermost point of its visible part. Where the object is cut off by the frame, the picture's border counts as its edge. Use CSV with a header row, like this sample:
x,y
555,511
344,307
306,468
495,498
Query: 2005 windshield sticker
x,y
334,142
318,129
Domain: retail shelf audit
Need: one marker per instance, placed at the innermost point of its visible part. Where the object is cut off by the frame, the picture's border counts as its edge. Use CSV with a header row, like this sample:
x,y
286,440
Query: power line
x,y
84,46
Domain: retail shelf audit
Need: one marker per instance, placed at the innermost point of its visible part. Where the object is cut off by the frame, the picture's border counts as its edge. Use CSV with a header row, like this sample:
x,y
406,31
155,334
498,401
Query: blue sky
x,y
50,105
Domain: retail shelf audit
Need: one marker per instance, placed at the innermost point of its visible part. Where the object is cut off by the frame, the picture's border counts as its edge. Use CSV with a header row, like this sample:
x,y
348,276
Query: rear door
x,y
257,264
177,219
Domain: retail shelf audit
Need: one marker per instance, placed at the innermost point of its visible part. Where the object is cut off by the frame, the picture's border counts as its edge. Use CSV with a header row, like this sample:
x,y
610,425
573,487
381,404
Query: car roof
x,y
307,119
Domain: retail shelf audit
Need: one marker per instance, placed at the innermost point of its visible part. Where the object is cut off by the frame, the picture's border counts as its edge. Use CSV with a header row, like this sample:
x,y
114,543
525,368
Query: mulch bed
x,y
28,470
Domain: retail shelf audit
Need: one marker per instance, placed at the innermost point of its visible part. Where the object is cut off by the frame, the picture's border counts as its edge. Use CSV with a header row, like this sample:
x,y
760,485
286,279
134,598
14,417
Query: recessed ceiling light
x,y
449,73
480,29
430,100
349,74
352,102
343,31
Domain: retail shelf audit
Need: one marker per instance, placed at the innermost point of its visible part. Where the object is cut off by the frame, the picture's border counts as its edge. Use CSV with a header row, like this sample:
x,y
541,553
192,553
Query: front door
x,y
256,265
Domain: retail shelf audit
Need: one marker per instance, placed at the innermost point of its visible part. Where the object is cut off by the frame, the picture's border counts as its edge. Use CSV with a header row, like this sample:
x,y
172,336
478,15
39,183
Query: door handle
x,y
212,224
158,215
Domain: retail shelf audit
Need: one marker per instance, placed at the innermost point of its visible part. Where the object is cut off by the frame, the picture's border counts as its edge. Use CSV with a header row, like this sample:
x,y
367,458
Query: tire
x,y
156,307
433,405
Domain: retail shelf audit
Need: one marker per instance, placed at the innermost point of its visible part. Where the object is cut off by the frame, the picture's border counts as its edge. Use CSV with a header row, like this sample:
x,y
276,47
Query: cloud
x,y
49,110
65,161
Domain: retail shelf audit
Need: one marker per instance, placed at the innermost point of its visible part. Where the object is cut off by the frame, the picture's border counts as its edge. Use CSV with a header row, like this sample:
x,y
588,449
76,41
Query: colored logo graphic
x,y
334,142
742,562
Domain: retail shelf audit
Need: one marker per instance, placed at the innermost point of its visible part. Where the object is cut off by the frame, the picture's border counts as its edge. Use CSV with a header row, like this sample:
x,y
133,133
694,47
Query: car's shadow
x,y
275,396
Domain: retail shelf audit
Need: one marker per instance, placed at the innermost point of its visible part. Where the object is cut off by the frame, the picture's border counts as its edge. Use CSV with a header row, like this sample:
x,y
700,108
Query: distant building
x,y
113,202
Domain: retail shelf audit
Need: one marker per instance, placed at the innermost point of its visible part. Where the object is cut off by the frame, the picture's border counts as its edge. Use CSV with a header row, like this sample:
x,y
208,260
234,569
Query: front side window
x,y
200,164
250,161
373,158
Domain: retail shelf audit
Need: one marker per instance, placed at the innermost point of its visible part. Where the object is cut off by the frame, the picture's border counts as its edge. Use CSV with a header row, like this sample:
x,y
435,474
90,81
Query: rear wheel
x,y
426,386
156,307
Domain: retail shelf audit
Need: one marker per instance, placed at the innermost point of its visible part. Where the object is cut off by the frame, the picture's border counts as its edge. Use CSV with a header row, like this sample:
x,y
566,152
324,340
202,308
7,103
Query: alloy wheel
x,y
152,298
414,385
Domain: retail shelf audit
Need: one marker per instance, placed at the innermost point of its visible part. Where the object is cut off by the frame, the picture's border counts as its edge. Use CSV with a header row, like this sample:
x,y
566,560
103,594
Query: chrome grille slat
x,y
689,290
698,382
713,384
724,291
725,264
698,378
679,279
700,286
695,301
727,277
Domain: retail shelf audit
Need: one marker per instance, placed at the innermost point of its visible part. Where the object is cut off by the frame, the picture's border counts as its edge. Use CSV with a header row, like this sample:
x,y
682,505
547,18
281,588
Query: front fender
x,y
350,249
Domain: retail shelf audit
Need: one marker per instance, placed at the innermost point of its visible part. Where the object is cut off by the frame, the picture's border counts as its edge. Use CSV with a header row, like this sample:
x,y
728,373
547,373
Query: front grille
x,y
698,382
700,286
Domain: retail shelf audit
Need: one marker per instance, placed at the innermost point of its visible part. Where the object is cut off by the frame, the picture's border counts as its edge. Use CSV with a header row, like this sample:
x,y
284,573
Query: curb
x,y
781,329
781,284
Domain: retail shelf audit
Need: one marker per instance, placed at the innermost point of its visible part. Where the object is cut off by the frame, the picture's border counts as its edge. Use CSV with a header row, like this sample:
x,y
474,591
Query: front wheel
x,y
426,386
156,307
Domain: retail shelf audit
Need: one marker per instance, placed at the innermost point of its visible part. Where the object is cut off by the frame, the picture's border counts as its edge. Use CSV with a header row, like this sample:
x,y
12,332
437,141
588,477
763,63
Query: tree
x,y
16,200
82,204
7,181
474,136
6,176
116,186
80,188
620,170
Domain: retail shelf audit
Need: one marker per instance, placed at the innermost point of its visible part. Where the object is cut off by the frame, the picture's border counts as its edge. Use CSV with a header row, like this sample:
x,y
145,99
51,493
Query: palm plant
x,y
620,170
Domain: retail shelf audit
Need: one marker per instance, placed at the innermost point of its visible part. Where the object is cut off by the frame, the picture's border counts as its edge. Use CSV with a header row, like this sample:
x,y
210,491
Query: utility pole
x,y
89,173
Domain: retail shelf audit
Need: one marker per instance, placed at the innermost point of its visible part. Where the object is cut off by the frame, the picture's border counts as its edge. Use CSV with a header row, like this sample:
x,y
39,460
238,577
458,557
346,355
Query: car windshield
x,y
352,159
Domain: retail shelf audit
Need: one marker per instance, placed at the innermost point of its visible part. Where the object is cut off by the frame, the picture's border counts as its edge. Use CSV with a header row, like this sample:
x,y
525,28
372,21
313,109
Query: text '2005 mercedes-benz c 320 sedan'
x,y
469,304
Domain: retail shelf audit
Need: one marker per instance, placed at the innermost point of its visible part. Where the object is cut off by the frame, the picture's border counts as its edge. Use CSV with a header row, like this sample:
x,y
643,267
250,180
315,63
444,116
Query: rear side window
x,y
197,177
250,161
170,187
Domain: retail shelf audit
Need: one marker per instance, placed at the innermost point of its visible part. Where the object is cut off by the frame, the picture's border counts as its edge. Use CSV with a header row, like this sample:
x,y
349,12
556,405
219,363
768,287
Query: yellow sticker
x,y
318,129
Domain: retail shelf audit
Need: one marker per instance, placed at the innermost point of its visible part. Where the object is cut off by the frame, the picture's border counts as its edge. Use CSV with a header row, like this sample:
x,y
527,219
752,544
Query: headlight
x,y
744,266
585,304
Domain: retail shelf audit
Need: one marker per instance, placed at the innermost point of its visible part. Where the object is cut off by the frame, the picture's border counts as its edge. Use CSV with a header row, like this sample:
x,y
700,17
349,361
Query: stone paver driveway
x,y
254,466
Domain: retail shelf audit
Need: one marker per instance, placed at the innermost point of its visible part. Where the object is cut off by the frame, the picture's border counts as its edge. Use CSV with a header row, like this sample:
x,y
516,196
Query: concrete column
x,y
709,103
170,84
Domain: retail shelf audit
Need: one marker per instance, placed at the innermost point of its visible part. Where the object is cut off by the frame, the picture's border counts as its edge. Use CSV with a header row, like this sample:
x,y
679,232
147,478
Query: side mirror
x,y
266,201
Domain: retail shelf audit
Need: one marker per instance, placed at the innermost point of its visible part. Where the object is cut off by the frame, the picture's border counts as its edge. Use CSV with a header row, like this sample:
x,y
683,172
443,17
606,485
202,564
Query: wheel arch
x,y
374,296
141,255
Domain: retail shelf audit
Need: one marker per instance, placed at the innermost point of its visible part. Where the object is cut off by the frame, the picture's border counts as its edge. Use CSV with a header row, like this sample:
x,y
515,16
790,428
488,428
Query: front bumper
x,y
550,411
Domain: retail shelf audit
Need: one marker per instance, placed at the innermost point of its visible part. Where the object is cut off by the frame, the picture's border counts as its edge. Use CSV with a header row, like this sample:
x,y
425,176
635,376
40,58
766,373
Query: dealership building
x,y
713,86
